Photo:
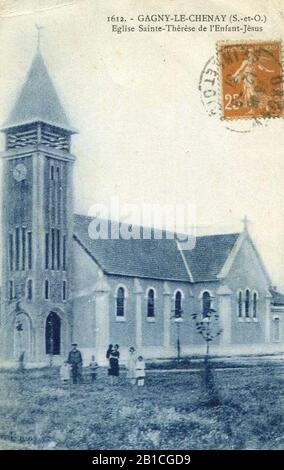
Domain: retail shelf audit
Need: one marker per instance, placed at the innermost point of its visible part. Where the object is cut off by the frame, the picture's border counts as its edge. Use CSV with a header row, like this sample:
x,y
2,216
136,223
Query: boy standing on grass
x,y
93,366
140,371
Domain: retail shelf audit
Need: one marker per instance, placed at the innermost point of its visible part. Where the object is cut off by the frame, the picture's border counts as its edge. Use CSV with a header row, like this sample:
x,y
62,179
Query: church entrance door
x,y
53,334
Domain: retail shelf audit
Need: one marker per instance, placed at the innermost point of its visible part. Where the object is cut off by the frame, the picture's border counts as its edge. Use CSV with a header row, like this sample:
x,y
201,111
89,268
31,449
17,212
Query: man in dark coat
x,y
76,362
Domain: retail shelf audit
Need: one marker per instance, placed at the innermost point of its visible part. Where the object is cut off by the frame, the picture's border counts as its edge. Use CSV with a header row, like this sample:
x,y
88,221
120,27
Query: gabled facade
x,y
59,284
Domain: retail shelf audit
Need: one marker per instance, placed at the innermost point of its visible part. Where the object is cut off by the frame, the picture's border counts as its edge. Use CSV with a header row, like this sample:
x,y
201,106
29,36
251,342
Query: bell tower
x,y
37,223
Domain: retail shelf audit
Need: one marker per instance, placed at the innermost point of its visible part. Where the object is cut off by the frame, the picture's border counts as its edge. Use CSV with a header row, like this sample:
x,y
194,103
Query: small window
x,y
247,303
178,306
120,302
11,290
46,289
254,303
276,329
240,304
29,289
64,291
206,304
151,303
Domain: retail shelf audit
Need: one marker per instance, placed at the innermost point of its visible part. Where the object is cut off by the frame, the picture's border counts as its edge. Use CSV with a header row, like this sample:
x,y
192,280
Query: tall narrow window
x,y
64,254
52,248
206,304
276,329
151,303
120,302
23,248
11,251
59,196
58,248
247,303
52,172
17,248
46,250
254,303
29,289
64,291
30,250
11,290
58,173
240,304
178,309
46,289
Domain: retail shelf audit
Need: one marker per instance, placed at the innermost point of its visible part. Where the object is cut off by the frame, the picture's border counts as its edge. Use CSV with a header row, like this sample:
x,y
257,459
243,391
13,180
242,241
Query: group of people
x,y
135,365
73,367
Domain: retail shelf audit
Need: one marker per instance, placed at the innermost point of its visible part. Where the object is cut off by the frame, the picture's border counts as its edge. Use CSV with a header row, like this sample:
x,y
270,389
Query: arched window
x,y
52,334
151,303
29,289
254,305
64,291
240,304
11,290
120,302
247,303
46,289
276,329
206,303
178,306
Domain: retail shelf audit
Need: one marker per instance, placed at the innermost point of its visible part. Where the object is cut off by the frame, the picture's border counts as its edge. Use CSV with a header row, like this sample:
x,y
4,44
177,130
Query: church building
x,y
60,285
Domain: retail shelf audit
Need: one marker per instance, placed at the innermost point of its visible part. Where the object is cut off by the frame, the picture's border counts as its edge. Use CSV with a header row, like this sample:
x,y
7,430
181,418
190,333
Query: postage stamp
x,y
251,79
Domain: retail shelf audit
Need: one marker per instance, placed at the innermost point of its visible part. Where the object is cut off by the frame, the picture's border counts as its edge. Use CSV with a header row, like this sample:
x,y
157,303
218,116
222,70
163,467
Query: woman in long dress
x,y
113,371
131,364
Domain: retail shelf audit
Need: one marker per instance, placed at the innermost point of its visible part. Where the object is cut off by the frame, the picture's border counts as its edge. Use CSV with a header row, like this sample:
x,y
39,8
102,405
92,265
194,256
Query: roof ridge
x,y
156,228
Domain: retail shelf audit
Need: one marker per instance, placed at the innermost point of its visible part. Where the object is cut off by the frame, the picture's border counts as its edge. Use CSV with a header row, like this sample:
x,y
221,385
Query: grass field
x,y
170,412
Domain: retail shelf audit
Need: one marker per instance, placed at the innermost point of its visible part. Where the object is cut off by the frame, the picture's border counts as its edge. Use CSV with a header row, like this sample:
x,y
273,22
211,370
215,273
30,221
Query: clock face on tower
x,y
20,172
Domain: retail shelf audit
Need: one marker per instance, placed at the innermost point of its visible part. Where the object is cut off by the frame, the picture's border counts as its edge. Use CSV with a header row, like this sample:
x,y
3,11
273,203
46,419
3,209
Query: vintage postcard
x,y
142,228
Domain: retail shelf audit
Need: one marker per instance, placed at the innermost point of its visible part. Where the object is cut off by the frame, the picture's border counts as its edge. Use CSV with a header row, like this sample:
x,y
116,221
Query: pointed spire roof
x,y
38,100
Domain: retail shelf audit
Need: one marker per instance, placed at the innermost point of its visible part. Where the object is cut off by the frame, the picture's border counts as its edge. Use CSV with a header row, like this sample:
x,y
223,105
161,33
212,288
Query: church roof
x,y
208,257
277,298
156,258
38,100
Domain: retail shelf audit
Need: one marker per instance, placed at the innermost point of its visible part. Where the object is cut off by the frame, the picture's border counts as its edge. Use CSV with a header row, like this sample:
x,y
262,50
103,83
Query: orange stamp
x,y
251,79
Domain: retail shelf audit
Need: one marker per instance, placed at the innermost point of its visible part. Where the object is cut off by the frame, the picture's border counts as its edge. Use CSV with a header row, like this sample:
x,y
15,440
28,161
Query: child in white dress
x,y
140,371
131,365
65,372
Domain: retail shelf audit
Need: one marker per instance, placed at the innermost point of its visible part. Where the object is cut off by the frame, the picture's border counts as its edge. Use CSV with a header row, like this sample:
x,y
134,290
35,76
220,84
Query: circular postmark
x,y
243,87
210,98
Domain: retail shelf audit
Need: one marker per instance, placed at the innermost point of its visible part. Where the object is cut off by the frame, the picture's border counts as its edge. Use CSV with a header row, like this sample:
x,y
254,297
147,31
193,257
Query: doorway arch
x,y
53,334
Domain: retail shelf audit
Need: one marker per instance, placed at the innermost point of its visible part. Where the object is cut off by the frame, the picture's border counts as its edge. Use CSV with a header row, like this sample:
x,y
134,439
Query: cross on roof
x,y
39,35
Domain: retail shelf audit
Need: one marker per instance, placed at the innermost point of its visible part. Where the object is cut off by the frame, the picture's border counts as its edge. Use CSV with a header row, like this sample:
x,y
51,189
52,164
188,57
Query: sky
x,y
144,135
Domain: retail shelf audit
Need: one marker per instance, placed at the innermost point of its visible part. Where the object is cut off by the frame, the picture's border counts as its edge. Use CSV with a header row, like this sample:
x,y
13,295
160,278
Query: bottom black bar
x,y
127,459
